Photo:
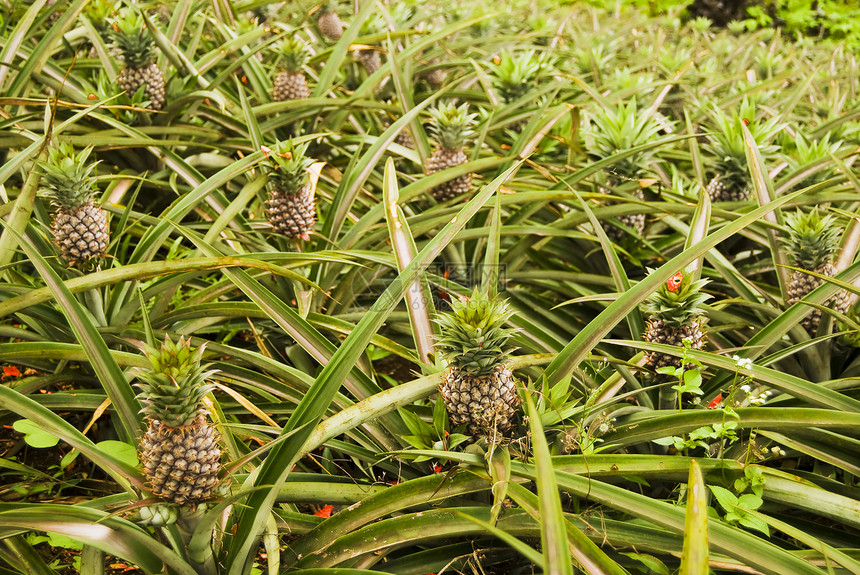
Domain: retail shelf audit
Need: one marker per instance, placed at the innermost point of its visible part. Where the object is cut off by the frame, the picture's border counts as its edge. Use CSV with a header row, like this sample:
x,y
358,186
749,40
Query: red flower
x,y
325,511
10,371
437,468
715,402
675,282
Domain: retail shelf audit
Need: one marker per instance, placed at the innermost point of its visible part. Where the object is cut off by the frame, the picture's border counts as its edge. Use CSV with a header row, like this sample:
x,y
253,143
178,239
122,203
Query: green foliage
x,y
34,435
337,452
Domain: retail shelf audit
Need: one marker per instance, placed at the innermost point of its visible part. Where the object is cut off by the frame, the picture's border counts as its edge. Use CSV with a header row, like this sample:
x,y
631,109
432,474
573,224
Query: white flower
x,y
604,427
742,362
745,388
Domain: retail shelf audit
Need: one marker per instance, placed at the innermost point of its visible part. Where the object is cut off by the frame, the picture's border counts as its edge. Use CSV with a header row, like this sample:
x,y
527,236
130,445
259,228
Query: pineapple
x,y
731,181
290,208
811,244
451,127
370,59
675,314
137,49
478,387
613,131
329,23
179,452
290,81
79,226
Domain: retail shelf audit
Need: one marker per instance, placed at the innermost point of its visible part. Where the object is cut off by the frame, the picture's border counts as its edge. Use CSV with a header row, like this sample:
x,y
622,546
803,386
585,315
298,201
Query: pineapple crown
x,y
677,300
172,388
99,12
133,39
451,126
293,53
812,238
726,146
329,7
67,178
616,130
813,151
288,166
472,337
515,76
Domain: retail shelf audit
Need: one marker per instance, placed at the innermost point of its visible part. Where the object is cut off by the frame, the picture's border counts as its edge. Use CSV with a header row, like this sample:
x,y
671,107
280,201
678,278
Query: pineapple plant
x,y
290,81
79,226
478,387
811,243
451,128
612,131
731,180
674,314
329,23
290,208
179,452
137,51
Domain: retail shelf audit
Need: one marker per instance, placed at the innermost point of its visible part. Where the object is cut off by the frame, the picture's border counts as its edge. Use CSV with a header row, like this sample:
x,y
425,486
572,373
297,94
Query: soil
x,y
397,368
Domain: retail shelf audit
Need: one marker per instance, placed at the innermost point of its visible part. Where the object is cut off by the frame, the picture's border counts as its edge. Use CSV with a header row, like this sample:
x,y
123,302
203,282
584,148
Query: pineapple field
x,y
423,287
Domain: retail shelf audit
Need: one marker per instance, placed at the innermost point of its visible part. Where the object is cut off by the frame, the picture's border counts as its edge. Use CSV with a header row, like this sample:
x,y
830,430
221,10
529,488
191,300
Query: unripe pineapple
x,y
290,81
731,181
137,50
291,209
674,314
451,128
612,131
478,387
811,244
370,59
179,452
79,226
329,23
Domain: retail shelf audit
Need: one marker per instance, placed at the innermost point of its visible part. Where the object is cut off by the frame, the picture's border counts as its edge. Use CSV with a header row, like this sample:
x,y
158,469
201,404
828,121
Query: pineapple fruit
x,y
179,452
329,23
290,208
451,128
674,314
478,387
137,50
370,59
731,180
79,226
290,81
811,244
613,131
